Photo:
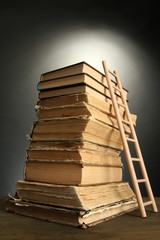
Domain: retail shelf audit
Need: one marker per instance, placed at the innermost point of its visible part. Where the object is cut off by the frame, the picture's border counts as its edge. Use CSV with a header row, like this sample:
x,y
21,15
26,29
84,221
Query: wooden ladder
x,y
133,139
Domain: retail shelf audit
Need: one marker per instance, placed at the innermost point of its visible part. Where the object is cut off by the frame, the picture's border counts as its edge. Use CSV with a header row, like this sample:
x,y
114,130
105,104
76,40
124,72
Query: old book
x,y
77,111
72,80
83,157
83,198
71,174
81,67
73,89
75,145
72,217
77,129
78,100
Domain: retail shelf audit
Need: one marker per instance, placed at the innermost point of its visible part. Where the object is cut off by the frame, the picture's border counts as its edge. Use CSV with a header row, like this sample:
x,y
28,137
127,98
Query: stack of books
x,y
73,171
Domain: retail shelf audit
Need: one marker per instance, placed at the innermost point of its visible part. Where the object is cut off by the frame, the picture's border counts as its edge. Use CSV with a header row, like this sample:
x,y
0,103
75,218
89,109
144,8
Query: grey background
x,y
41,37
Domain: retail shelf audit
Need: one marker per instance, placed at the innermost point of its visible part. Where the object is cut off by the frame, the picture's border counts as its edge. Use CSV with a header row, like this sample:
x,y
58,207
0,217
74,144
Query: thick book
x,y
77,129
75,145
77,79
83,198
111,159
78,68
71,173
82,109
70,216
73,89
56,105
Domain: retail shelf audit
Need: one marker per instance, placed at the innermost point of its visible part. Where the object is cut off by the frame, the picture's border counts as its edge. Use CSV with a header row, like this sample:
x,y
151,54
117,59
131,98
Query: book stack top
x,y
77,78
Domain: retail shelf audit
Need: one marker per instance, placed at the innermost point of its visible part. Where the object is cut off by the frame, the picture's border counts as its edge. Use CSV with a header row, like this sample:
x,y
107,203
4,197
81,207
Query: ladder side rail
x,y
125,144
137,147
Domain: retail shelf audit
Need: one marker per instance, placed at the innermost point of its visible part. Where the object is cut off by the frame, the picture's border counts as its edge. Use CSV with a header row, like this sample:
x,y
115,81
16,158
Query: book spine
x,y
39,95
38,86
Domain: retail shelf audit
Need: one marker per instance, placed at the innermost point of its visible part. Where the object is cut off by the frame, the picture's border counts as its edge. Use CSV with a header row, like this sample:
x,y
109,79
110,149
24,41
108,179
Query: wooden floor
x,y
129,226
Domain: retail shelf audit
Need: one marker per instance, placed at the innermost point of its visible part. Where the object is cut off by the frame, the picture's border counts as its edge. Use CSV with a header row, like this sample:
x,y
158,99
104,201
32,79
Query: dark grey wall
x,y
36,38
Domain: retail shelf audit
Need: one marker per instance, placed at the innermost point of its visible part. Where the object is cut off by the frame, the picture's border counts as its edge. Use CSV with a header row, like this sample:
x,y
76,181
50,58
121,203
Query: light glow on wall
x,y
93,46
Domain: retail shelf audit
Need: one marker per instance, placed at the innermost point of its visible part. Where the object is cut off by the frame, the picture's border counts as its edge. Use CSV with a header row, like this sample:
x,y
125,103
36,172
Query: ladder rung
x,y
147,203
116,88
125,121
121,104
130,139
141,180
112,73
135,159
